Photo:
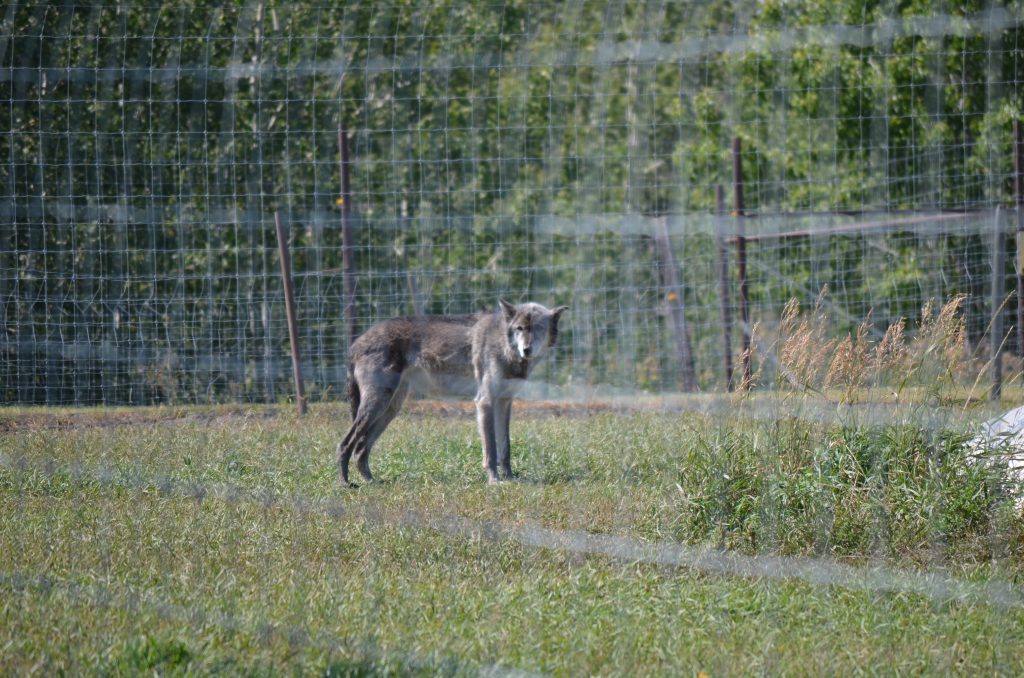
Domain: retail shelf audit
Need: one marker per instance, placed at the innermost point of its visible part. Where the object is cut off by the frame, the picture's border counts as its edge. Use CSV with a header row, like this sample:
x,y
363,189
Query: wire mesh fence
x,y
515,149
814,198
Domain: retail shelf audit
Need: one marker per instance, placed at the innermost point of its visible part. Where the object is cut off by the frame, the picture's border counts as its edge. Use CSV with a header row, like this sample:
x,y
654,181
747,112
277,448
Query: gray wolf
x,y
484,355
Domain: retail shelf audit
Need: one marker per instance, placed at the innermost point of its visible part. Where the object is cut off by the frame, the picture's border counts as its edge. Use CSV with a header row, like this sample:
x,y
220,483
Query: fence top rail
x,y
862,226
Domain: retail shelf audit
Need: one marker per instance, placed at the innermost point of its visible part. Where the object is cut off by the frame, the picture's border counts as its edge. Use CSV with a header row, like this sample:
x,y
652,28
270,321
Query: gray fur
x,y
485,355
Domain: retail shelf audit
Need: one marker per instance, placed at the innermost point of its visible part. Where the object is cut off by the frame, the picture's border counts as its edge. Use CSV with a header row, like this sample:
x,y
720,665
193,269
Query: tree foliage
x,y
497,147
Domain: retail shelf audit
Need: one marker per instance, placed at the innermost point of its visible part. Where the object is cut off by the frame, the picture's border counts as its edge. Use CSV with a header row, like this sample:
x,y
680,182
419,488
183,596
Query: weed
x,y
812,361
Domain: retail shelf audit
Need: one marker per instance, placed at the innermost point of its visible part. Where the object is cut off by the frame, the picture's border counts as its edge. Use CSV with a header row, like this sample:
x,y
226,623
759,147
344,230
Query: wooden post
x,y
1018,195
289,305
676,305
724,293
997,336
741,256
347,243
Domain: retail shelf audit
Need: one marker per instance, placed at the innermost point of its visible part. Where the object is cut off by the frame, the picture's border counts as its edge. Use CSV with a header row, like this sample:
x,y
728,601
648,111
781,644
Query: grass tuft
x,y
187,545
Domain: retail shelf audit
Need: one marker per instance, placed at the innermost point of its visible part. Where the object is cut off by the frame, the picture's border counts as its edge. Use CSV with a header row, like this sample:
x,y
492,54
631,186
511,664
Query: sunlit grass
x,y
122,552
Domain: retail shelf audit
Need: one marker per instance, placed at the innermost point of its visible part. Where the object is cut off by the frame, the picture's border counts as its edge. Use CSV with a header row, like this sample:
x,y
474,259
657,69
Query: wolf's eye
x,y
520,328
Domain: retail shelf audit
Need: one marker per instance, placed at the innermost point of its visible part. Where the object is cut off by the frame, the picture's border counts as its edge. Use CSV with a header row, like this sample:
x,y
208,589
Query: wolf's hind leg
x,y
391,404
375,388
356,432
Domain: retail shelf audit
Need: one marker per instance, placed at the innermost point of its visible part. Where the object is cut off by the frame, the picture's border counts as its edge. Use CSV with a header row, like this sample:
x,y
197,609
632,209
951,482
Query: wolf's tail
x,y
353,390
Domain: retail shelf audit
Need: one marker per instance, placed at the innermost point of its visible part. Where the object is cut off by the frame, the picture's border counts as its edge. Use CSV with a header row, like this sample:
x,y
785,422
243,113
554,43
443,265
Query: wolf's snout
x,y
526,351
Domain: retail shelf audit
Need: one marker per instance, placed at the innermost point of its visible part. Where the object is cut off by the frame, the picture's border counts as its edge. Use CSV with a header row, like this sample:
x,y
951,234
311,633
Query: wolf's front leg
x,y
502,425
485,422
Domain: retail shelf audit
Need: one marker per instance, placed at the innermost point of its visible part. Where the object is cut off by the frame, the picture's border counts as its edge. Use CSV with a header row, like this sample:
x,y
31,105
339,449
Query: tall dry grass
x,y
805,353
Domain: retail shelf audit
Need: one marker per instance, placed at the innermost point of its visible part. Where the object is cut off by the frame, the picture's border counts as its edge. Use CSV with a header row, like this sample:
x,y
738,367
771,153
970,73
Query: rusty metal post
x,y
724,293
1018,197
347,242
676,304
741,257
998,290
289,305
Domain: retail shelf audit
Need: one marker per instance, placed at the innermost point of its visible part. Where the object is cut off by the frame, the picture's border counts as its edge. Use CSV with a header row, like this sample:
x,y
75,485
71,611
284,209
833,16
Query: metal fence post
x,y
347,244
741,256
289,304
998,291
1018,195
724,293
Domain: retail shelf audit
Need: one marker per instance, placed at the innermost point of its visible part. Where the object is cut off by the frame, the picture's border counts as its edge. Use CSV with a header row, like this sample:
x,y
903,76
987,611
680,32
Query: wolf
x,y
484,355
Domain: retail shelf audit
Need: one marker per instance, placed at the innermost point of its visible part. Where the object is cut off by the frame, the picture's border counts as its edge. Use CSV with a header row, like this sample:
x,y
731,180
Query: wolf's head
x,y
531,328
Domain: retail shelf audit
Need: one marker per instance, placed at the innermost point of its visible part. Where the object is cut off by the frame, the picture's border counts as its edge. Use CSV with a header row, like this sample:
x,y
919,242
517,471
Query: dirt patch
x,y
529,408
41,419
18,420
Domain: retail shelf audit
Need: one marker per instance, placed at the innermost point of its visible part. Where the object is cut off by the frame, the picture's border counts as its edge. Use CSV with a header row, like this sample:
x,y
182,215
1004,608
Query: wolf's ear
x,y
507,309
557,312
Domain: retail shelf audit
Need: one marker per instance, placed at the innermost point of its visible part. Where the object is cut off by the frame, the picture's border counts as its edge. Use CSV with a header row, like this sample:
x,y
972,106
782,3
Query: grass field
x,y
186,541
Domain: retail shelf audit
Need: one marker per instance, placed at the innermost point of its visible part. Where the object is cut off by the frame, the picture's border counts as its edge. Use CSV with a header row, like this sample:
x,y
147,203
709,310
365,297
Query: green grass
x,y
219,541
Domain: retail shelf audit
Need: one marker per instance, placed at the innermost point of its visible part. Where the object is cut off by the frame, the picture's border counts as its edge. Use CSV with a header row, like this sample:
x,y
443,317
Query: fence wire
x,y
515,149
819,571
